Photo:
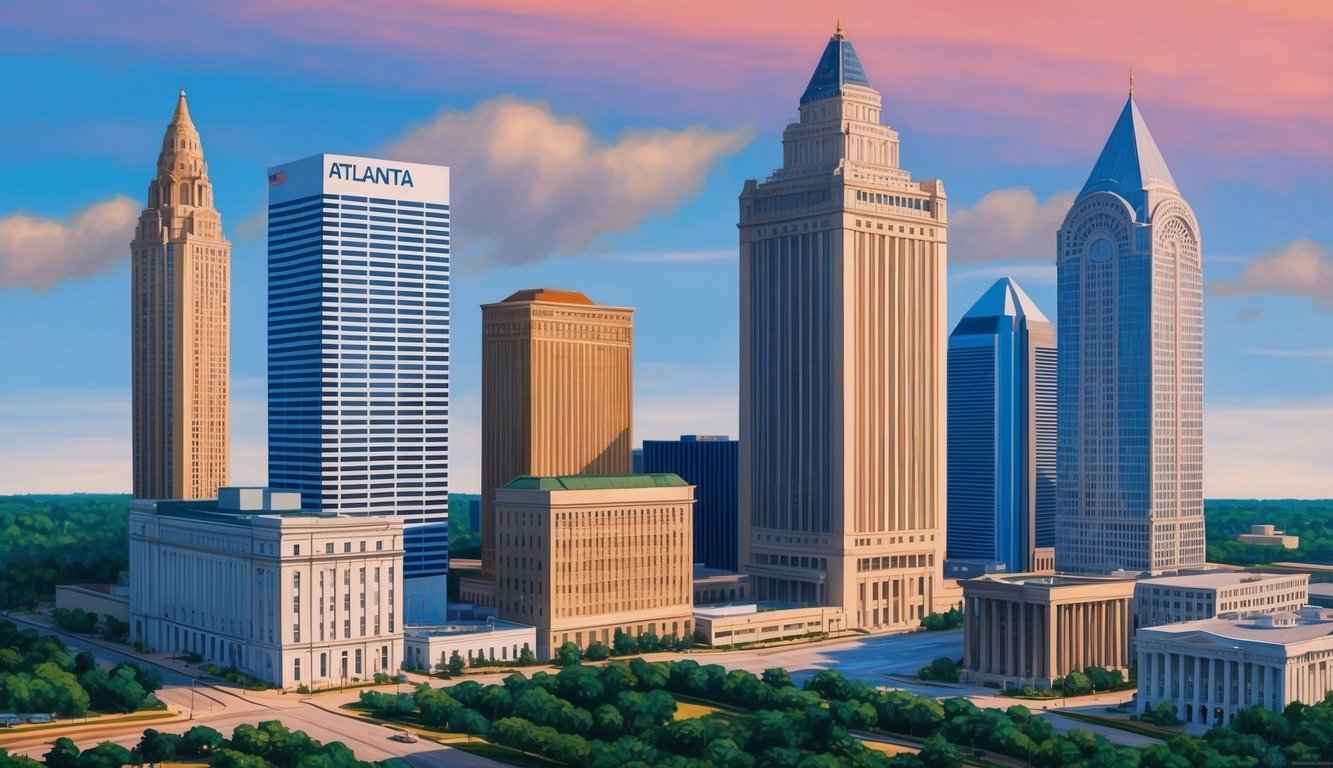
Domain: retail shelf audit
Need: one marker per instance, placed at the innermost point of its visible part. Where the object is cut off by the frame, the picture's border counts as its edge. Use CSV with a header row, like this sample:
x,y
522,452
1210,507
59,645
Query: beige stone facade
x,y
582,556
726,625
1269,536
842,394
557,395
180,318
1031,629
1191,597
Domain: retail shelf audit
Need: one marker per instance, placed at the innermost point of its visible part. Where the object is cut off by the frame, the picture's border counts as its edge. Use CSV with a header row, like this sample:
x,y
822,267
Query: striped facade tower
x,y
842,490
180,314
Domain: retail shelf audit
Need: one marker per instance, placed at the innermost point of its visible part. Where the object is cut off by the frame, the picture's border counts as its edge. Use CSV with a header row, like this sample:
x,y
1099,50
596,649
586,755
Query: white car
x,y
407,737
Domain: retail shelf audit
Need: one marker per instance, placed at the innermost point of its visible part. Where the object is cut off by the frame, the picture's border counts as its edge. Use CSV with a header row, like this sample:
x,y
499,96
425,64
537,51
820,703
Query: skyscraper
x,y
358,350
1130,393
180,278
842,363
1002,431
557,394
710,464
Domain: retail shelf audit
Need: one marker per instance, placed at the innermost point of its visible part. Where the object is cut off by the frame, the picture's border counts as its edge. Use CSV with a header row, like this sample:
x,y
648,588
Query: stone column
x,y
1021,652
1198,686
1145,678
1226,689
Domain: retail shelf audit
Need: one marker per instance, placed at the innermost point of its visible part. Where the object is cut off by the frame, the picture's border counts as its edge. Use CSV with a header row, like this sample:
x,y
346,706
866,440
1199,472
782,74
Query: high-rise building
x,y
1130,391
710,464
556,396
358,350
1002,431
584,556
180,315
842,363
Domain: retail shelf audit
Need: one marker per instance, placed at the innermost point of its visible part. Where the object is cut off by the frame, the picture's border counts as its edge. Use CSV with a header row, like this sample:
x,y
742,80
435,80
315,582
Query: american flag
x,y
275,179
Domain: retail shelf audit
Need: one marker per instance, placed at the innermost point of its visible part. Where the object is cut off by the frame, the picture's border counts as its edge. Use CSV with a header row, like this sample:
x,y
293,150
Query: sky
x,y
600,146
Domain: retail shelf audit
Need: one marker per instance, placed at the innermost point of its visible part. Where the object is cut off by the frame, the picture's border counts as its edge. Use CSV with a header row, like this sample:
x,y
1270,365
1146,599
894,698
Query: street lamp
x,y
193,680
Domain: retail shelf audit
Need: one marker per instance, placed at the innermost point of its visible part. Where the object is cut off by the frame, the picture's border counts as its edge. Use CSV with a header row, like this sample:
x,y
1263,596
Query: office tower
x,y
842,363
556,394
1002,431
255,597
710,464
581,557
1130,391
358,350
180,284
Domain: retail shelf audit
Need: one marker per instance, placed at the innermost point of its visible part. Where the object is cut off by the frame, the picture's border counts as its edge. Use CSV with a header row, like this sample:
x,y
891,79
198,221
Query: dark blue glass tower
x,y
711,464
1002,431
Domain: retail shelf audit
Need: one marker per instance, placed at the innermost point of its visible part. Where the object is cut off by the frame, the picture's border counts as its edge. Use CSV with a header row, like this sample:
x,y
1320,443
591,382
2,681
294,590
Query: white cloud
x,y
1301,268
528,184
37,253
1008,224
1268,451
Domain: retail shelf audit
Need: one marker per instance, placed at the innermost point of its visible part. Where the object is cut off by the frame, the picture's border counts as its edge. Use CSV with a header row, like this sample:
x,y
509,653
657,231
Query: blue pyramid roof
x,y
838,66
1130,162
1005,299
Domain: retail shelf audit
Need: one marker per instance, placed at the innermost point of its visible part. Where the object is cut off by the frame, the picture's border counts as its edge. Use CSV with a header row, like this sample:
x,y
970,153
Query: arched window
x,y
185,194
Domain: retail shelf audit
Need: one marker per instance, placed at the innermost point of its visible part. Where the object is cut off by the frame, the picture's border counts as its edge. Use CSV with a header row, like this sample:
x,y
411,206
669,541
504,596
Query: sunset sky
x,y
600,146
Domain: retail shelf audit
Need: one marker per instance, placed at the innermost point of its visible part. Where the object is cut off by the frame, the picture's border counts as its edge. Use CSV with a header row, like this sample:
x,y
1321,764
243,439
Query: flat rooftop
x,y
595,482
464,627
719,610
1040,580
1216,580
1303,629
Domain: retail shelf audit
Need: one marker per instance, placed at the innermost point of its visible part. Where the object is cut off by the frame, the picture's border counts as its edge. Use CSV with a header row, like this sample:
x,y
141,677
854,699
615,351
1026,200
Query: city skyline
x,y
1265,402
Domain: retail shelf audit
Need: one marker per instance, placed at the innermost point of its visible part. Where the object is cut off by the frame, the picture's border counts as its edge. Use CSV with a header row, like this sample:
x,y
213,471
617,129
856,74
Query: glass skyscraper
x,y
1130,392
710,464
358,350
1002,431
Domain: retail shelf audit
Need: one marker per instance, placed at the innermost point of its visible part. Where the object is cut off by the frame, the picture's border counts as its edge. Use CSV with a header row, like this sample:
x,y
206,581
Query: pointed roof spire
x,y
1006,299
1131,82
182,113
1130,163
838,66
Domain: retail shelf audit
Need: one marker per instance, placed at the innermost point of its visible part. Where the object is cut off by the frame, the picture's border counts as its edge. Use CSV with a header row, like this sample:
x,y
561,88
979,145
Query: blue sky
x,y
646,162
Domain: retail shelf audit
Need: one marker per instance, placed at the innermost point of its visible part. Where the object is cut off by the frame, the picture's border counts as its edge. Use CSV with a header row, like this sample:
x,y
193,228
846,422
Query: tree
x,y
1165,714
1076,684
156,747
230,758
526,657
777,678
943,669
937,752
455,665
567,654
105,755
597,651
199,741
63,754
624,644
468,721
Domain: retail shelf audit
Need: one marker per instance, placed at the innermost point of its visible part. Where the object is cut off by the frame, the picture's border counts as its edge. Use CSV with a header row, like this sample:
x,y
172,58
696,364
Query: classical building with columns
x,y
1030,629
1214,668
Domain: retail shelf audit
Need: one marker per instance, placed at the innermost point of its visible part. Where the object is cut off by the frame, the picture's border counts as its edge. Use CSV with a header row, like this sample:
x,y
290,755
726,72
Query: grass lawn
x,y
688,710
889,749
1124,724
505,755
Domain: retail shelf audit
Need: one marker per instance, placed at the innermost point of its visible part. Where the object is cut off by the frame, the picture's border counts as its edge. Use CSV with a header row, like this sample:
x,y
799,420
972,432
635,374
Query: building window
x,y
328,548
296,550
296,670
323,665
358,661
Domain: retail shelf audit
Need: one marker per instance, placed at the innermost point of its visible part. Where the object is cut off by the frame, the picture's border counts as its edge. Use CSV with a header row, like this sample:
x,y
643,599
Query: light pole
x,y
192,682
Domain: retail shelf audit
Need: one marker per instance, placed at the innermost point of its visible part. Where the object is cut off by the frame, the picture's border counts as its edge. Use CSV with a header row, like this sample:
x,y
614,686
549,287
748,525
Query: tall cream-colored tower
x,y
556,393
180,316
843,351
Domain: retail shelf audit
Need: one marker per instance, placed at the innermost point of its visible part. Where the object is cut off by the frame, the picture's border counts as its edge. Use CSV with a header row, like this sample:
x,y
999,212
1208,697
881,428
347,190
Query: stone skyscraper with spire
x,y
180,318
842,253
1130,381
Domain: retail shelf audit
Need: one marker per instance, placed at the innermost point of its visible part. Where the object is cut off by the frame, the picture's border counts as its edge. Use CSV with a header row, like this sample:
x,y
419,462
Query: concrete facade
x,y
251,580
842,369
1214,668
102,599
557,398
581,556
180,320
1173,599
1028,629
1130,373
427,647
714,585
1268,535
734,623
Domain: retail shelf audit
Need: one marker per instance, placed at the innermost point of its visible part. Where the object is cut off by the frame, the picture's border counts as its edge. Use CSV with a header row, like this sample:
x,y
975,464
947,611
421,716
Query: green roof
x,y
594,482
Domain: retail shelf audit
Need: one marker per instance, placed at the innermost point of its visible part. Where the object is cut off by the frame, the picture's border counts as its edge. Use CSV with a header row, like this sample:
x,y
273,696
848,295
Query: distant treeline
x,y
1312,520
50,540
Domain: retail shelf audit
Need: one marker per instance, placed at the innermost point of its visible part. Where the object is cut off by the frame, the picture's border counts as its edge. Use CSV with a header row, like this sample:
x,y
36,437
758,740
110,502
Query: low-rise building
x,y
1268,535
582,556
101,599
1029,629
253,581
733,623
1321,595
715,585
1172,599
1214,668
491,639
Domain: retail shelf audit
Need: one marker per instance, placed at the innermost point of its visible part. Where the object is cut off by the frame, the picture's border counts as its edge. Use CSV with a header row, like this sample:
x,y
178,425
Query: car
x,y
9,719
40,719
407,737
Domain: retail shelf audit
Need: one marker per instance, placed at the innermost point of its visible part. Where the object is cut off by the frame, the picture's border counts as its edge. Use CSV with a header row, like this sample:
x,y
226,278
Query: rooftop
x,y
838,66
1005,299
1215,580
595,482
1289,628
463,627
1047,580
550,295
1130,162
